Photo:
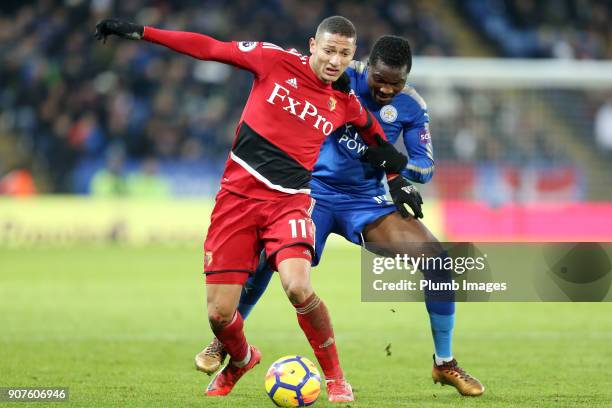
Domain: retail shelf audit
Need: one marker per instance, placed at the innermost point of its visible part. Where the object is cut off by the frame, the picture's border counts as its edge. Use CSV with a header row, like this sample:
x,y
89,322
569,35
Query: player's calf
x,y
225,321
451,374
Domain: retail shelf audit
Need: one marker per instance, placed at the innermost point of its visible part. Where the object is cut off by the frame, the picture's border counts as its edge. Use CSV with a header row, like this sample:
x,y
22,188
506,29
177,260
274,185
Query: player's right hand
x,y
386,156
403,193
123,29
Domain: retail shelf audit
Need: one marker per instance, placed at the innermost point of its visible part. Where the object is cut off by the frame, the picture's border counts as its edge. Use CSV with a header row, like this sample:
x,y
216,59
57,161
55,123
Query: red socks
x,y
314,320
233,340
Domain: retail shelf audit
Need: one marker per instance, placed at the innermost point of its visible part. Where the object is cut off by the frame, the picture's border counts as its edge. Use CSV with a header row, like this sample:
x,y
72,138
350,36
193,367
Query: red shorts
x,y
241,227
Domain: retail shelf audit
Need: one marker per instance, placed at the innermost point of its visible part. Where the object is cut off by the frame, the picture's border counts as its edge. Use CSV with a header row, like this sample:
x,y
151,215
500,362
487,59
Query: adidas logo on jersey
x,y
292,82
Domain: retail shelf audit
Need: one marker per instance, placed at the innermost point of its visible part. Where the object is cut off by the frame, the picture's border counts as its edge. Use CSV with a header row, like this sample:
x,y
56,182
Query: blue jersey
x,y
341,166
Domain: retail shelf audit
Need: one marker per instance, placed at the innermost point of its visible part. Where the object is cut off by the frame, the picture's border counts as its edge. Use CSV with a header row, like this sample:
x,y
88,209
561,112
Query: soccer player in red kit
x,y
264,200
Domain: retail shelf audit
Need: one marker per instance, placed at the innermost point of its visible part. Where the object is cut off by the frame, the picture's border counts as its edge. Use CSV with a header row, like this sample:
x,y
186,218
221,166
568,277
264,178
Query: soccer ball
x,y
293,381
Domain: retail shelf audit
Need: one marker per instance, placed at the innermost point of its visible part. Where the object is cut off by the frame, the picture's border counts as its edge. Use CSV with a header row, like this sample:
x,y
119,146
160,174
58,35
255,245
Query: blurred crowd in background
x,y
81,116
545,28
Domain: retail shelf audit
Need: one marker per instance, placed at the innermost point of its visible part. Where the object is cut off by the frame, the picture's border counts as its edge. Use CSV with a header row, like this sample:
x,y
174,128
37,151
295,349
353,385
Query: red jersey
x,y
288,114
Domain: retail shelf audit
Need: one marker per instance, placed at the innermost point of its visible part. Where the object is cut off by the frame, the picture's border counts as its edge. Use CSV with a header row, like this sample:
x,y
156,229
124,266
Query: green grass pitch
x,y
120,326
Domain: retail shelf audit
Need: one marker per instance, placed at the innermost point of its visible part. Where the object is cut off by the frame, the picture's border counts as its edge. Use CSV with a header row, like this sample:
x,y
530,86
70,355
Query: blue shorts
x,y
344,214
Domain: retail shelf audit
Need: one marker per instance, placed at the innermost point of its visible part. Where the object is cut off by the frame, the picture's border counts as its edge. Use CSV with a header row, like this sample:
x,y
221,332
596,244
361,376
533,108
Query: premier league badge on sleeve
x,y
246,46
388,114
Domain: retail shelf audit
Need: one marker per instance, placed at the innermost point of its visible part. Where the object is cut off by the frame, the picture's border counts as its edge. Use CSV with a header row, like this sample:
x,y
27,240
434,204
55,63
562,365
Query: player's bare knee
x,y
295,277
219,314
298,291
219,318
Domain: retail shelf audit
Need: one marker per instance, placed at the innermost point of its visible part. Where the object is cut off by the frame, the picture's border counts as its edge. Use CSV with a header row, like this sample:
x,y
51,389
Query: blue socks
x,y
254,287
441,308
442,331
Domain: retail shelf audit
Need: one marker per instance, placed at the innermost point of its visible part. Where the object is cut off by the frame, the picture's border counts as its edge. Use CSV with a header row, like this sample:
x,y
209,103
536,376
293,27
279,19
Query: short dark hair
x,y
392,51
337,25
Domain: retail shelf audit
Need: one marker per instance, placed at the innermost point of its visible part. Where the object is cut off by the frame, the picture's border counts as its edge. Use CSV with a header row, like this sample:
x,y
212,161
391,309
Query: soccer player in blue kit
x,y
350,197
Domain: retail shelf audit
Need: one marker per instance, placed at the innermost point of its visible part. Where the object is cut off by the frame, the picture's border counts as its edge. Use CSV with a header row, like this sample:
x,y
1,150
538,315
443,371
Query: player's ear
x,y
312,43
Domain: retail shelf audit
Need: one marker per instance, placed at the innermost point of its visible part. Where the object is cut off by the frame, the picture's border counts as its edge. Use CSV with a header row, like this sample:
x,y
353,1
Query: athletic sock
x,y
244,361
314,320
232,338
442,332
441,360
441,308
254,287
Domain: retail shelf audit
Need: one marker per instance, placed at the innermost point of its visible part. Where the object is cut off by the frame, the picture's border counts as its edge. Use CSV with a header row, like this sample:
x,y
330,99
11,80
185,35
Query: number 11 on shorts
x,y
294,227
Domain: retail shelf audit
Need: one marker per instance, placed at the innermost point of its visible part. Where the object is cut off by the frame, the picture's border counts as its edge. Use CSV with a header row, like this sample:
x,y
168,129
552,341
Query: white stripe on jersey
x,y
270,45
311,208
264,180
421,170
429,151
292,51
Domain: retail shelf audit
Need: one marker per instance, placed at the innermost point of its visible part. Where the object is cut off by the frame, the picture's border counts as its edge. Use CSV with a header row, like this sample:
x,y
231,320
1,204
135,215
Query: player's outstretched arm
x,y
196,45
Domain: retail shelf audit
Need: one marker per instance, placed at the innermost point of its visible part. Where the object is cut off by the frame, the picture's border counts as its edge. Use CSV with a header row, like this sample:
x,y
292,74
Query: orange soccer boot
x,y
339,391
451,374
225,380
210,359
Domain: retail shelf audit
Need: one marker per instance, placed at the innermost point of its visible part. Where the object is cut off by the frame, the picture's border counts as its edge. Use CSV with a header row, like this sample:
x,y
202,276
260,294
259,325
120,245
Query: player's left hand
x,y
123,29
386,156
403,193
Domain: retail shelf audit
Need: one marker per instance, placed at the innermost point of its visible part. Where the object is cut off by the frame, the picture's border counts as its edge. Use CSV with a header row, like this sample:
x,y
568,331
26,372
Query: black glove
x,y
402,192
386,156
342,84
123,29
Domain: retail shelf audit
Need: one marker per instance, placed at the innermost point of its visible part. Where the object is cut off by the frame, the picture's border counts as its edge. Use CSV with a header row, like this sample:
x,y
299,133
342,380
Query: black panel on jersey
x,y
269,161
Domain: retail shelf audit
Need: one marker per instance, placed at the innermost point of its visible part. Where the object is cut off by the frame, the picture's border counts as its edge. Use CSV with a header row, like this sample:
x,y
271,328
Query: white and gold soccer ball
x,y
293,381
